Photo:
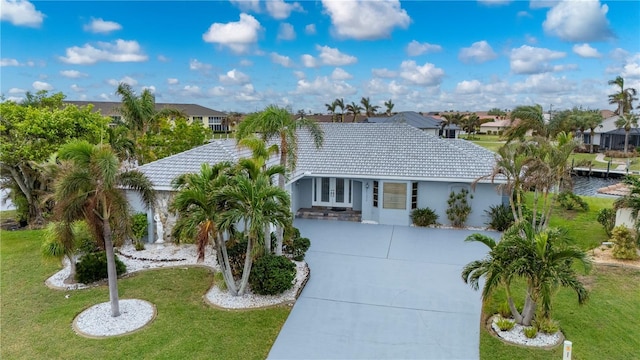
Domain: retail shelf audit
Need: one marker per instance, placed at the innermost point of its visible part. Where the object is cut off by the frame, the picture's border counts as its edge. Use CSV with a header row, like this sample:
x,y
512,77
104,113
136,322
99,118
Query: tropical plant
x,y
623,98
458,208
529,118
354,109
450,119
530,332
276,122
470,124
92,267
389,107
592,120
624,244
424,217
505,324
500,217
339,103
607,218
368,108
627,122
331,108
496,112
541,258
571,201
90,187
65,240
272,275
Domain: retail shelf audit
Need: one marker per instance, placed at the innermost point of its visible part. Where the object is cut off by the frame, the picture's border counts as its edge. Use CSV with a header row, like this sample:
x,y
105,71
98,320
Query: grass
x,y
603,328
36,321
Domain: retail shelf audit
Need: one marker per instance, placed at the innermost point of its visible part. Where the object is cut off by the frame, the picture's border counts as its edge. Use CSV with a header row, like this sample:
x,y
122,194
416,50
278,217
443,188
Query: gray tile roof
x,y
362,150
109,108
411,118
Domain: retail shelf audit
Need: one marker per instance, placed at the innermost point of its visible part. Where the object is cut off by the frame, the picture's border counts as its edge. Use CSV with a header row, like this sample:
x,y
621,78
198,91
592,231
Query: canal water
x,y
588,186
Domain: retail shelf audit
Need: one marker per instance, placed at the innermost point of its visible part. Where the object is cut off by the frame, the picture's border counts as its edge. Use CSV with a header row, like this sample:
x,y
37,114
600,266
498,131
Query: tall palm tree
x,y
368,108
389,107
256,204
200,210
627,122
354,109
470,124
276,122
90,188
623,98
450,119
331,108
340,104
593,119
529,118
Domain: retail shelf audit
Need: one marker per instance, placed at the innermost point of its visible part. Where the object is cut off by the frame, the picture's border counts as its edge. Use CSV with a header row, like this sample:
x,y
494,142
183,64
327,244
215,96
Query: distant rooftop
x,y
110,108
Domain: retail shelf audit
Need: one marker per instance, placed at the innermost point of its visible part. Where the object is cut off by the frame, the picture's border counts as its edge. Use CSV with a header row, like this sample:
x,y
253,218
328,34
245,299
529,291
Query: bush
x,y
424,217
139,226
505,324
530,332
459,208
503,309
624,244
501,217
271,275
294,245
621,154
546,325
93,267
607,218
571,201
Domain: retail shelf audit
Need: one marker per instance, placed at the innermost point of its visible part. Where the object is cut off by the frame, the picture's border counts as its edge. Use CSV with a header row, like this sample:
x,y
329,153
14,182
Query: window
x,y
394,196
196,119
414,195
375,194
215,124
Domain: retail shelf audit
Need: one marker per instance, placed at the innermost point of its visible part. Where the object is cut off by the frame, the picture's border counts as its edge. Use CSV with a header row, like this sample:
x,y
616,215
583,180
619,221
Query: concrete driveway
x,y
383,292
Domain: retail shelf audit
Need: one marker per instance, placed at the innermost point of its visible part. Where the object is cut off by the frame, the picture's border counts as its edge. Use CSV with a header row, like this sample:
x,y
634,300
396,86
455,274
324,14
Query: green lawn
x,y
36,321
605,327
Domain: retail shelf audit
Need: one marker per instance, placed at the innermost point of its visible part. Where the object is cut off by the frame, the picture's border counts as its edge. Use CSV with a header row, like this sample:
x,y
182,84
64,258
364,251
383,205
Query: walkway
x,y
383,292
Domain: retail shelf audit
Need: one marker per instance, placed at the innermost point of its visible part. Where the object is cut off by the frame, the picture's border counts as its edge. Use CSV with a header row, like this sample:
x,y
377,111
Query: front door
x,y
334,192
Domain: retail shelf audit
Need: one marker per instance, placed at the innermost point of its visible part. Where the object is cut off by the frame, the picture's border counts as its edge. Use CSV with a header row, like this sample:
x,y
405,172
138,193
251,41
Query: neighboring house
x,y
495,127
610,137
213,119
428,123
327,118
379,171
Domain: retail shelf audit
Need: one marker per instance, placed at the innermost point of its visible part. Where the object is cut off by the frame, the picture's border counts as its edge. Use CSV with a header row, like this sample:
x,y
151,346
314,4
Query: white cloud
x,y
234,77
310,29
237,36
72,74
543,84
102,27
105,97
416,48
20,13
469,87
191,90
196,65
218,91
76,88
17,91
578,21
172,81
286,32
379,87
299,74
586,51
632,68
494,2
245,62
281,59
247,5
384,73
151,88
248,93
333,56
537,4
523,13
309,61
163,58
340,74
281,10
479,52
531,60
9,62
40,85
366,20
530,39
127,80
118,51
425,75
325,87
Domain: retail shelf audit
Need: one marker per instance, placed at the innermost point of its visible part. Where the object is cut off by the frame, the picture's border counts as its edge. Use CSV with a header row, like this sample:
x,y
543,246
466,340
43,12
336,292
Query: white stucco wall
x,y
624,218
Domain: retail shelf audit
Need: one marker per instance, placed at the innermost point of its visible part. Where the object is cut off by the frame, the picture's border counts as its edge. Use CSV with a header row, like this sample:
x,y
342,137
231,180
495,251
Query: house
x,y
429,124
215,120
380,171
609,137
496,127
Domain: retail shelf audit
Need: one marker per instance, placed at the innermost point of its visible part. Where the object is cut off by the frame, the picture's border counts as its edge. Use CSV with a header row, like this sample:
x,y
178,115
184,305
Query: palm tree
x,y
623,98
627,122
340,104
278,122
530,118
256,204
368,108
470,124
331,108
593,119
540,258
200,208
389,107
450,119
354,109
90,188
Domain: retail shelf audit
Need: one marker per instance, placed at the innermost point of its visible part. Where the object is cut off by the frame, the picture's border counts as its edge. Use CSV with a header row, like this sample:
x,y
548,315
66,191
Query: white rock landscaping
x,y
516,335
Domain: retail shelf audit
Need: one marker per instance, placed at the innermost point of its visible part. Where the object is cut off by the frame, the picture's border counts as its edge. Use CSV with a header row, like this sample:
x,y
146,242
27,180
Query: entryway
x,y
333,192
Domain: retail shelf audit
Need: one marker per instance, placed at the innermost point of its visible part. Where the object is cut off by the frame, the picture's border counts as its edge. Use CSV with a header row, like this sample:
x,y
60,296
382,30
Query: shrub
x,y
624,244
501,217
459,208
139,226
271,275
530,332
93,267
546,325
294,245
503,309
607,218
505,324
218,280
571,201
621,154
424,217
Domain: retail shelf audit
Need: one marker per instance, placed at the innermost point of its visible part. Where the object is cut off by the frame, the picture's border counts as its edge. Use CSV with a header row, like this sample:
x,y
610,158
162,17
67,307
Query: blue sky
x,y
244,55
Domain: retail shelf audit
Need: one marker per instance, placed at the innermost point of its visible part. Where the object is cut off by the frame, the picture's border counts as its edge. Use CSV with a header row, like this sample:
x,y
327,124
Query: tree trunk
x,y
528,311
591,138
72,270
248,261
279,240
512,306
223,261
111,269
267,239
626,141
